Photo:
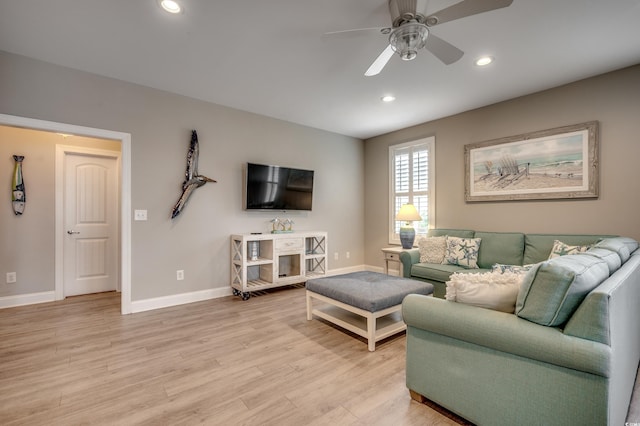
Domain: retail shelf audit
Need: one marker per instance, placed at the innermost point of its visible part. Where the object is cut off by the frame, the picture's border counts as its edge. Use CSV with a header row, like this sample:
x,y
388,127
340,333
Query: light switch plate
x,y
139,215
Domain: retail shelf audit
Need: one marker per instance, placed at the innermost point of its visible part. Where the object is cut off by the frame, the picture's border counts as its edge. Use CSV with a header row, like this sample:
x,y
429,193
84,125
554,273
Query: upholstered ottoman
x,y
365,303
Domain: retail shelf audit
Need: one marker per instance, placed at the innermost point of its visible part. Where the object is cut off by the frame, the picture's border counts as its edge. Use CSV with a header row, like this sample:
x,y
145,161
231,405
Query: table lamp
x,y
409,214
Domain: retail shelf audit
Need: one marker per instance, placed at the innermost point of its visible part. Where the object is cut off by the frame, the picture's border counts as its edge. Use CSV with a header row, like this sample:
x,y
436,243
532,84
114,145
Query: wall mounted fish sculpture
x,y
18,197
192,179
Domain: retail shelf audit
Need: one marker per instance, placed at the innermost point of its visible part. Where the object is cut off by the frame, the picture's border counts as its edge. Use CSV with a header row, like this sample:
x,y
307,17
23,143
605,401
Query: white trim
x,y
125,179
357,268
179,299
26,299
202,295
431,143
61,152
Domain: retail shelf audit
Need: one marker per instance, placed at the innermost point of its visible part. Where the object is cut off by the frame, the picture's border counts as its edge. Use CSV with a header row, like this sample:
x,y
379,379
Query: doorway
x,y
124,235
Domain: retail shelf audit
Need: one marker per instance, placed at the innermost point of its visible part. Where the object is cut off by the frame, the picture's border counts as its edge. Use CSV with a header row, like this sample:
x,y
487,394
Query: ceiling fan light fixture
x,y
407,39
388,98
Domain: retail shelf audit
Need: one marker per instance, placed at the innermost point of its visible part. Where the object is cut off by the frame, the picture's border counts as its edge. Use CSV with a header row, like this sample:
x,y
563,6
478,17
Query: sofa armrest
x,y
505,333
408,259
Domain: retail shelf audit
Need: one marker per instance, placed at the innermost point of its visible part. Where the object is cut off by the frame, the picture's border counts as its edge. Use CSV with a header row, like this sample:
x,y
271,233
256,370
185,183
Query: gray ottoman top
x,y
370,291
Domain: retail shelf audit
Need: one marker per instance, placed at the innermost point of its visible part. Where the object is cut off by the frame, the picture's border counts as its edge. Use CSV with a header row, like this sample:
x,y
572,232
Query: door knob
x,y
73,232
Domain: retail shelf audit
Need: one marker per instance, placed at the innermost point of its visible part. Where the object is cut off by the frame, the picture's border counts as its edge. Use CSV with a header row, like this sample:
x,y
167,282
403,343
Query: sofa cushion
x,y
462,252
552,290
492,290
621,245
611,258
434,271
432,249
500,247
462,233
562,249
537,247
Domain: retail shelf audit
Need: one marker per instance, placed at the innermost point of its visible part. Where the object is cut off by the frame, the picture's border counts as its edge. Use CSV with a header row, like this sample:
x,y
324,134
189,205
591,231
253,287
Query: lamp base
x,y
407,236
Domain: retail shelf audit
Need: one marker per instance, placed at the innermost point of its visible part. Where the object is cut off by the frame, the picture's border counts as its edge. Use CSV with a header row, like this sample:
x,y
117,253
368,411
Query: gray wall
x,y
160,125
612,99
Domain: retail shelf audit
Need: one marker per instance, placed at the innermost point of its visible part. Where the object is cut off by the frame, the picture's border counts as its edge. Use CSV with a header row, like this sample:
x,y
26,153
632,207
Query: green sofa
x,y
496,368
510,248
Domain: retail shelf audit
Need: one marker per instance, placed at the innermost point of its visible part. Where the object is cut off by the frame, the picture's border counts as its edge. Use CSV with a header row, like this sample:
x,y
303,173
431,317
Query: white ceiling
x,y
271,58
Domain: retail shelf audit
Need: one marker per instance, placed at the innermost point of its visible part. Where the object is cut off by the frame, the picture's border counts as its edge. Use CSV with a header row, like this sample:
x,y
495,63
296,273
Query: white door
x,y
90,224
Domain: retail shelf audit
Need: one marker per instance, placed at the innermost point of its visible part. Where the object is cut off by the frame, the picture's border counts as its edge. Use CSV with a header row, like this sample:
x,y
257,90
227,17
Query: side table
x,y
392,254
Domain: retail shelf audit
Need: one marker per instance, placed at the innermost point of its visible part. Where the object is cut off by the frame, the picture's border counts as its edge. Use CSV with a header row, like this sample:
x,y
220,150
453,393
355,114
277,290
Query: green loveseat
x,y
497,368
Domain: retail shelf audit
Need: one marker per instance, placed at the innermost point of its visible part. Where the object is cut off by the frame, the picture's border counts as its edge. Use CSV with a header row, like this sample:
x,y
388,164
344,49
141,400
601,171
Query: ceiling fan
x,y
409,31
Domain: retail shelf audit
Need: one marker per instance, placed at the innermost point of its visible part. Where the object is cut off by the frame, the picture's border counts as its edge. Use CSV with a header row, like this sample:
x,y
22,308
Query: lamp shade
x,y
409,213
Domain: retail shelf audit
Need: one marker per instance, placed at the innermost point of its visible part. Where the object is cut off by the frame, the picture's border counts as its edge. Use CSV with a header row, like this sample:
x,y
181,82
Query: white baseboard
x,y
27,299
178,299
161,302
348,270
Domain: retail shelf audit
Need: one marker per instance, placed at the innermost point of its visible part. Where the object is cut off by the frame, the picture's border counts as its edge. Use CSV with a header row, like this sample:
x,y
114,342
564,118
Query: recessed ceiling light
x,y
483,61
171,6
388,98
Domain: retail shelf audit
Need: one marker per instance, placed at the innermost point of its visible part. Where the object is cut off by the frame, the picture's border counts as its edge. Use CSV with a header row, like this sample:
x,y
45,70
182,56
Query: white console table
x,y
262,261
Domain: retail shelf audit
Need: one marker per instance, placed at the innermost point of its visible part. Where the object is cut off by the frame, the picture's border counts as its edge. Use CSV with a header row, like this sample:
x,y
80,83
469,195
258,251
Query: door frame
x,y
125,191
61,153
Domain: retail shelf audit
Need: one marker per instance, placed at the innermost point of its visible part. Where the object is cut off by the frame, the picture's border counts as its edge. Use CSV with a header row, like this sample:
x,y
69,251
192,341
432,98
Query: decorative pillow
x,y
462,252
432,249
552,290
491,290
562,249
516,269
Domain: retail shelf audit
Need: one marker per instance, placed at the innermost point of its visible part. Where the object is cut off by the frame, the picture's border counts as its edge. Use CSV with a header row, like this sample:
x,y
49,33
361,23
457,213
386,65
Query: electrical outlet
x,y
11,277
139,215
335,256
180,275
348,255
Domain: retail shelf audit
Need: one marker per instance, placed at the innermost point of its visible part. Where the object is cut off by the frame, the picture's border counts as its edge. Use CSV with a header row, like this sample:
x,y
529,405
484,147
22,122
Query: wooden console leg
x,y
417,397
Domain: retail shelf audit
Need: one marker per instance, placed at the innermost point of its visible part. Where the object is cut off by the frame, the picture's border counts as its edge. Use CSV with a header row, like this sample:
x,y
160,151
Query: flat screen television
x,y
277,188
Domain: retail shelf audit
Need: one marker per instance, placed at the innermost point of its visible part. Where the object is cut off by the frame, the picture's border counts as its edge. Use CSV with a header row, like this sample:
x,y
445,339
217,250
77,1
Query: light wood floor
x,y
219,362
224,361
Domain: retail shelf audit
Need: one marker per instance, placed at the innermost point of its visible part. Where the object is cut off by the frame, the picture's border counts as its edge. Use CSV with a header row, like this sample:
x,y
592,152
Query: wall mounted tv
x,y
277,188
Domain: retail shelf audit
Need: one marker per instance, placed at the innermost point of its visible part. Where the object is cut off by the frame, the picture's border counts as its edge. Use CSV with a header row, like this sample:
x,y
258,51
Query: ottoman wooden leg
x,y
309,308
371,332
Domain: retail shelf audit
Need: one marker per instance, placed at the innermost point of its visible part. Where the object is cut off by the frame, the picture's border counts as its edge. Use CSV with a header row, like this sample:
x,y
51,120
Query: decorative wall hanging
x,y
192,179
18,197
554,163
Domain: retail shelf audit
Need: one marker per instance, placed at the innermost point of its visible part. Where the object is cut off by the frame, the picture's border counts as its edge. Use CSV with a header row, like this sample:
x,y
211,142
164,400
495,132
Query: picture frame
x,y
559,163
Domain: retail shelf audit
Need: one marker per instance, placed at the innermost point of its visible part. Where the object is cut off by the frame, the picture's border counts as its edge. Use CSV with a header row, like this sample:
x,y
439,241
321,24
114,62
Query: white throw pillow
x,y
491,290
432,249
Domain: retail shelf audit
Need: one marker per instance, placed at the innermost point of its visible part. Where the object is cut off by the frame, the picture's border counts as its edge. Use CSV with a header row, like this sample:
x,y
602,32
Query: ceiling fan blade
x,y
380,62
443,50
357,30
465,8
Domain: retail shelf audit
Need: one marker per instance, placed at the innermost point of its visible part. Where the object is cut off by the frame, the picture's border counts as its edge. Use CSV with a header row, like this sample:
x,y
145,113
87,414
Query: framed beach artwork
x,y
548,164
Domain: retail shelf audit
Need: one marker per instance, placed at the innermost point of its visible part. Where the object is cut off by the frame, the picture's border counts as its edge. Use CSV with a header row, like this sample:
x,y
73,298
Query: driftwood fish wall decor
x,y
192,179
18,197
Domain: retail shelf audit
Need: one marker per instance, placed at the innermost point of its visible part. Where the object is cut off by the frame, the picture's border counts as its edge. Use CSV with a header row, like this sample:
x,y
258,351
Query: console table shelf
x,y
262,261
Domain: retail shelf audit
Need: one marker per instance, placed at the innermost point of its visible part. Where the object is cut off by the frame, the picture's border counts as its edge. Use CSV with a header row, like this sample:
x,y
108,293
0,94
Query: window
x,y
412,180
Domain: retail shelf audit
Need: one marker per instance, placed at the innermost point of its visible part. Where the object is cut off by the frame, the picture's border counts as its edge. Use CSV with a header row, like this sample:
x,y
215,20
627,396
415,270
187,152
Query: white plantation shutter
x,y
412,181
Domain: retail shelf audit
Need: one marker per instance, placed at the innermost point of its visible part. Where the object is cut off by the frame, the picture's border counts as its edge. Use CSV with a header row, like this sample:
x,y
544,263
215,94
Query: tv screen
x,y
278,188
